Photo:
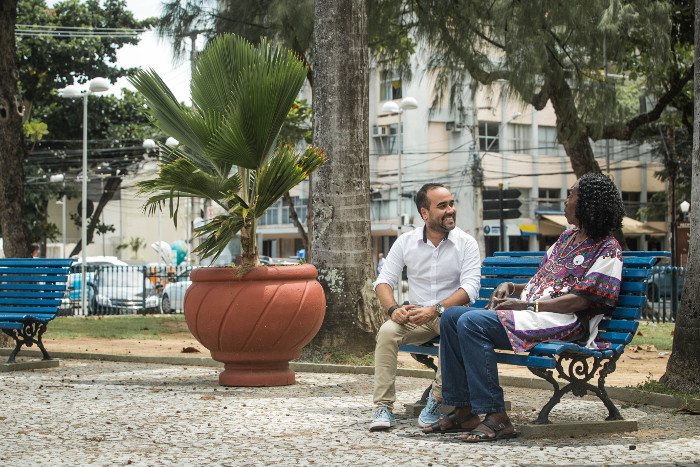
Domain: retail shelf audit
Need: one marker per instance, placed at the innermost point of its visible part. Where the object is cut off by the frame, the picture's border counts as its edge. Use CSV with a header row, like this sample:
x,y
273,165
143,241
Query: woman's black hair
x,y
599,207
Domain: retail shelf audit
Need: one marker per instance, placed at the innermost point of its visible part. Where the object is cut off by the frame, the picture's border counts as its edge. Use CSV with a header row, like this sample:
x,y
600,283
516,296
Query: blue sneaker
x,y
430,413
383,419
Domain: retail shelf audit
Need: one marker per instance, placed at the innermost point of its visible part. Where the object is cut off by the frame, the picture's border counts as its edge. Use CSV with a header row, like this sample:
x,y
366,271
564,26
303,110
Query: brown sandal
x,y
456,424
483,437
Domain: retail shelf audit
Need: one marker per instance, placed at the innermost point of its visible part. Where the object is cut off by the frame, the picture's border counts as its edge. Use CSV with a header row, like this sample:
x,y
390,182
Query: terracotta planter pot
x,y
255,324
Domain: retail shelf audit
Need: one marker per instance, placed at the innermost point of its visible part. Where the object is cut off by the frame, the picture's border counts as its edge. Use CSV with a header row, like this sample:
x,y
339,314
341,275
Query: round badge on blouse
x,y
578,260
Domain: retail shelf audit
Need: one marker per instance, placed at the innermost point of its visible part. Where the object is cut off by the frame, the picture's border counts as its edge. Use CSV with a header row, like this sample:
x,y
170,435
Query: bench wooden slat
x,y
626,313
7,311
505,271
619,325
31,294
526,360
421,349
22,318
632,300
61,286
32,271
10,325
36,262
30,301
615,337
558,348
625,254
35,278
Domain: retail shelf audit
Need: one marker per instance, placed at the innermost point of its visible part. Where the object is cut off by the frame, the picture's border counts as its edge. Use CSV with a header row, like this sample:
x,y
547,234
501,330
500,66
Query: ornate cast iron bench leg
x,y
29,335
578,375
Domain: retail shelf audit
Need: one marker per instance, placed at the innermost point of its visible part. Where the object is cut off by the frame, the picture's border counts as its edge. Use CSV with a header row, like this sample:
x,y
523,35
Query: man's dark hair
x,y
599,207
422,195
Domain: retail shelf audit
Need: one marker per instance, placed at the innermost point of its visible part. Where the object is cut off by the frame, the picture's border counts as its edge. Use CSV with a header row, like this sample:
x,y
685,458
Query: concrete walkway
x,y
106,412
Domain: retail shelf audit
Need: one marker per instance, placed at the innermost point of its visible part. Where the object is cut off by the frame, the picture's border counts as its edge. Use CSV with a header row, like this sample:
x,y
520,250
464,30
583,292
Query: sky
x,y
152,52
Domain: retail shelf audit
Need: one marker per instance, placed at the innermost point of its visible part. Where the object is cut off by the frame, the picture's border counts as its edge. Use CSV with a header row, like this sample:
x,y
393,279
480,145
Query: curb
x,y
630,395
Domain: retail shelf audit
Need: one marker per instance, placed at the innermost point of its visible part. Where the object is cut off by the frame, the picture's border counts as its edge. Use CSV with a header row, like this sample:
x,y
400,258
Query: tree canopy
x,y
559,52
72,42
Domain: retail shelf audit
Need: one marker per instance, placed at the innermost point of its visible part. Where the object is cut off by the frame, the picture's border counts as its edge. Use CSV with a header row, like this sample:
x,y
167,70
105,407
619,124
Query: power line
x,y
33,30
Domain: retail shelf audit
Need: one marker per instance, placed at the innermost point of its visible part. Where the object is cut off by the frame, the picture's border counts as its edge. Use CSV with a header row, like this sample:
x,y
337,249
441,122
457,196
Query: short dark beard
x,y
440,227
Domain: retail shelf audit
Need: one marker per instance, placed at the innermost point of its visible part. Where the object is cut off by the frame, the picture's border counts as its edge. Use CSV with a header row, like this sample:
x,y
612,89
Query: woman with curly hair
x,y
576,284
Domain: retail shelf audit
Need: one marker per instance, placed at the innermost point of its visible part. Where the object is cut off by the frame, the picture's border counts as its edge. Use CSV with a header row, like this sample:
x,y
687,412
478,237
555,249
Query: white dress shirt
x,y
434,273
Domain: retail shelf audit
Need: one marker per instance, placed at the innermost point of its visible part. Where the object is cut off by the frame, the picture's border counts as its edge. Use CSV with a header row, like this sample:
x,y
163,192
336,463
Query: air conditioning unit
x,y
378,131
452,126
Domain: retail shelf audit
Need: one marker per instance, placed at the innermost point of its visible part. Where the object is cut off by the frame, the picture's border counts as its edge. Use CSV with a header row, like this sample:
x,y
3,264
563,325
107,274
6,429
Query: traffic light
x,y
501,204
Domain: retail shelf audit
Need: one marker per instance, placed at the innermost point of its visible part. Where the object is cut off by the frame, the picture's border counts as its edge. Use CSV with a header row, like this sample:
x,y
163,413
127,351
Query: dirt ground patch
x,y
634,367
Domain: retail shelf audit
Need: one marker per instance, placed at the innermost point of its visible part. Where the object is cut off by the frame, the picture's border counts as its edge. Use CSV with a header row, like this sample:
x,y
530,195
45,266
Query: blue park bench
x,y
569,359
31,290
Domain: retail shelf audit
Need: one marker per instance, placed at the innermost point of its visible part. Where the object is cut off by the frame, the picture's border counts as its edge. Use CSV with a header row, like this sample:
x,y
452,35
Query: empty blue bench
x,y
31,290
569,359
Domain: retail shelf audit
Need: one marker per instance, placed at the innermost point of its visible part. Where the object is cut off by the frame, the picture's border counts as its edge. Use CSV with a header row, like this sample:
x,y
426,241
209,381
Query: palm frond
x,y
217,234
283,171
168,115
262,97
188,180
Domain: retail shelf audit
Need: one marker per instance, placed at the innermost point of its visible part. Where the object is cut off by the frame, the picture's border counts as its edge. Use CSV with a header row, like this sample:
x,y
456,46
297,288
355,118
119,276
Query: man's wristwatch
x,y
439,308
391,309
530,306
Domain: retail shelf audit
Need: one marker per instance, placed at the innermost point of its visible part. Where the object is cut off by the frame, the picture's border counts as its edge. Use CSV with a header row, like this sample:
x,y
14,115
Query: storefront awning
x,y
554,224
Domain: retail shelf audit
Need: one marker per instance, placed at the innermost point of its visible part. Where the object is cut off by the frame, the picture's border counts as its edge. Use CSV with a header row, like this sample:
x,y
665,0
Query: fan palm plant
x,y
229,151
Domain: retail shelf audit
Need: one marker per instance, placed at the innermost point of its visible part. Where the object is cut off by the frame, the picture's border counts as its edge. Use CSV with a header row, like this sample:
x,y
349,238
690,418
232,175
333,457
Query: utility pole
x,y
477,179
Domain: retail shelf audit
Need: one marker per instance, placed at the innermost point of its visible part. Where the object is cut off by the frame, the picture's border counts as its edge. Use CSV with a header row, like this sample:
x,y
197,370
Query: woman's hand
x,y
509,304
499,294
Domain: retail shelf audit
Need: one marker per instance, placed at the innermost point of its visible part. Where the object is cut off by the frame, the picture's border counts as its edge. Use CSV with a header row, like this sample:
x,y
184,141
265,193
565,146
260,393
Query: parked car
x,y
123,290
173,297
660,283
71,301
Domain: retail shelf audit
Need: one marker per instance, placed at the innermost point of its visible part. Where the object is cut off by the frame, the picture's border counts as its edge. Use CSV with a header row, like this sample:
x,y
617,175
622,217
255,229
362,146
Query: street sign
x,y
505,208
507,193
90,208
505,214
507,204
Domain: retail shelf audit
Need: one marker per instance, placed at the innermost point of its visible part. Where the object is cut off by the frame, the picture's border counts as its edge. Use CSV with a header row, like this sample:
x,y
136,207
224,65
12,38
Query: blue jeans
x,y
468,337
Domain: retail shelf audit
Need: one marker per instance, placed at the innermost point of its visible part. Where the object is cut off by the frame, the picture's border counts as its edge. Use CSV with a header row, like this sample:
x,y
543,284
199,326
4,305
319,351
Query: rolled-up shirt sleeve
x,y
470,272
393,266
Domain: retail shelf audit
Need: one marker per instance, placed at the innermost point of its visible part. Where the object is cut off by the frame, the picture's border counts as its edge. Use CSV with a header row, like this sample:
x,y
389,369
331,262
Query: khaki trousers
x,y
389,338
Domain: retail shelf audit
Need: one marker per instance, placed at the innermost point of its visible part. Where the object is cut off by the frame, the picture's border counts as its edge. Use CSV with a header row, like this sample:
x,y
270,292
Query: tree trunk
x,y
14,228
572,132
683,368
341,237
295,217
110,188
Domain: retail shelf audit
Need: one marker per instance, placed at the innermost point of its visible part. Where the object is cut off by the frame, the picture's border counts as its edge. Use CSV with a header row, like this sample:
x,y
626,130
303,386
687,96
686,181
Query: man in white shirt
x,y
444,269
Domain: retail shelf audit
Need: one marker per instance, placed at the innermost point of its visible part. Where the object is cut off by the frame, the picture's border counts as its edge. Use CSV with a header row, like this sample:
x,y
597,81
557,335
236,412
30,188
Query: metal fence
x,y
663,293
126,290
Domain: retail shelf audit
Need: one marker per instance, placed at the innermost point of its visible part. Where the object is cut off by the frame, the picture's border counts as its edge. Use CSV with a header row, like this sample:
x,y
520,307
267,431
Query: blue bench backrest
x,y
32,288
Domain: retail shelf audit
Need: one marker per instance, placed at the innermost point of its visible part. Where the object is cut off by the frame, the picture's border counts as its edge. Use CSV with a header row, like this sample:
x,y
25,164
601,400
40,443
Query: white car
x,y
173,296
122,290
70,303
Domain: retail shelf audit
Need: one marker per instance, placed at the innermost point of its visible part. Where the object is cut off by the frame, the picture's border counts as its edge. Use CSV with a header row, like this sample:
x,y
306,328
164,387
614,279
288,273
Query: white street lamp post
x,y
60,178
150,144
391,107
72,92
